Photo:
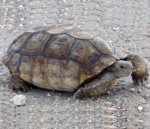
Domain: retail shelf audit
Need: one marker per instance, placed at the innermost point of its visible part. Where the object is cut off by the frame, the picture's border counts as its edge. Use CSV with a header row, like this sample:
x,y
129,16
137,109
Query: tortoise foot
x,y
17,84
140,80
81,93
140,73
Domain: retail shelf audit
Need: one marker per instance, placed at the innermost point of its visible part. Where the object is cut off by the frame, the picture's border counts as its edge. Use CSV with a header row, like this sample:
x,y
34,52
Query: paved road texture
x,y
125,23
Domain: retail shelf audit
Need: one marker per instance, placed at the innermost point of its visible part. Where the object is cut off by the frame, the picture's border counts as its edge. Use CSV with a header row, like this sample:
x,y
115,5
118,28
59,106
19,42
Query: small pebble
x,y
140,108
48,94
139,90
115,28
21,6
22,19
147,85
19,100
132,89
21,25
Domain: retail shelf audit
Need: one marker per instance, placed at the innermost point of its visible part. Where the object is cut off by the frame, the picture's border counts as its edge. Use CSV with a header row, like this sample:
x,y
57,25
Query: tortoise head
x,y
121,68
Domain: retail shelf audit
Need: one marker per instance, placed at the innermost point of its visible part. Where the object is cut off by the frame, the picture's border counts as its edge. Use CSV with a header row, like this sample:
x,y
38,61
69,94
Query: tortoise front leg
x,y
106,80
96,87
140,71
16,83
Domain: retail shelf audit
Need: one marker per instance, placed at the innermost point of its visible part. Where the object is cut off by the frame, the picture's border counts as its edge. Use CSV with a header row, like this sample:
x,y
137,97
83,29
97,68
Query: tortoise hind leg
x,y
16,83
140,71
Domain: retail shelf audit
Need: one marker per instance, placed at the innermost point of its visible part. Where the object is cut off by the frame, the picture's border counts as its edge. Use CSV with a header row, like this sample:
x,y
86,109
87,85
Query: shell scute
x,y
35,44
102,46
14,63
25,68
92,69
19,42
39,72
53,74
69,74
7,58
83,52
58,46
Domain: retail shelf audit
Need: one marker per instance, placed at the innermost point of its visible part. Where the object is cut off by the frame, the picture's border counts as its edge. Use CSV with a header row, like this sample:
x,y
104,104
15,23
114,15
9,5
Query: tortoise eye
x,y
122,66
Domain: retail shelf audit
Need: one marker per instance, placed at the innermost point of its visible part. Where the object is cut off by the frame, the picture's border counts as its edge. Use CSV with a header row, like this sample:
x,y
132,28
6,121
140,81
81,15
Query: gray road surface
x,y
125,23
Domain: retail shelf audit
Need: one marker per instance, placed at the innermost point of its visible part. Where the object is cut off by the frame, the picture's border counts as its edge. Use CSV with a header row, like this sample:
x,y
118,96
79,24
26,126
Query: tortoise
x,y
71,59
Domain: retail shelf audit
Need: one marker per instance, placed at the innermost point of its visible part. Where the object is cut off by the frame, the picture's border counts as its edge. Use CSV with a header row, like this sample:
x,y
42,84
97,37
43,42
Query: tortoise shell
x,y
58,58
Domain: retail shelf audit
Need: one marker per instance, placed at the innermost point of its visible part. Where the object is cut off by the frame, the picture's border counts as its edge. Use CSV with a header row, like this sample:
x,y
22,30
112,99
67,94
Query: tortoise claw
x,y
19,87
140,80
80,94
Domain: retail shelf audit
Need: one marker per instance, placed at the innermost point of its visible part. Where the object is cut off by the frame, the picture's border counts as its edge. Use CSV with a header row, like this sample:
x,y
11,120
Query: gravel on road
x,y
124,23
